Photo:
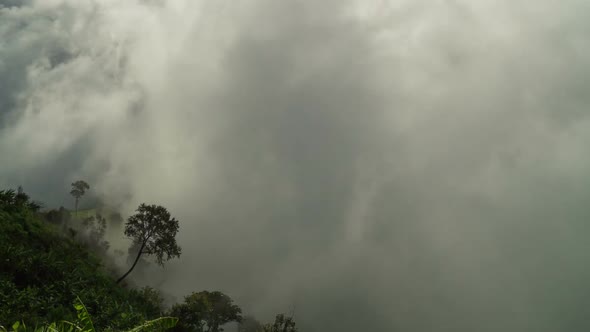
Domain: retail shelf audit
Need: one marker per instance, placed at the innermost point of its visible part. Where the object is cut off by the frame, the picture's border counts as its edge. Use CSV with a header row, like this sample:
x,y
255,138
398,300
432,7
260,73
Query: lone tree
x,y
78,190
154,231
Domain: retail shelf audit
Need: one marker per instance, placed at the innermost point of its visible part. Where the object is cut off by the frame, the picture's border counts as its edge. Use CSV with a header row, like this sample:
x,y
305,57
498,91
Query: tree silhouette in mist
x,y
205,312
78,190
154,231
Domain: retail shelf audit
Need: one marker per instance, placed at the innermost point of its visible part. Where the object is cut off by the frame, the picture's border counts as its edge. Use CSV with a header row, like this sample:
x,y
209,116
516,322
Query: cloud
x,y
407,165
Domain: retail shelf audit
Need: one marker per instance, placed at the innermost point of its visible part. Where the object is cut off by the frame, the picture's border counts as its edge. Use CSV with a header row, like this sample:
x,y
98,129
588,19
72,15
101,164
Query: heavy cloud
x,y
387,166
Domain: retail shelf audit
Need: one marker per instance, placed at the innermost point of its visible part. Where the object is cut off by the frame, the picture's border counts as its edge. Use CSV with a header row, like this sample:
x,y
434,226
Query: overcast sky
x,y
393,165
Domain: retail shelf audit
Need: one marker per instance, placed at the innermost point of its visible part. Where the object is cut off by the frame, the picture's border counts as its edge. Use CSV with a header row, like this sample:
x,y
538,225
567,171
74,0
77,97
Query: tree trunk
x,y
134,263
76,207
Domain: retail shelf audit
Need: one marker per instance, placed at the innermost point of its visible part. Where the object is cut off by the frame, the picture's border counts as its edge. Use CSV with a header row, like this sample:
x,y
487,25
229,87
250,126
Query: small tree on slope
x,y
154,231
78,190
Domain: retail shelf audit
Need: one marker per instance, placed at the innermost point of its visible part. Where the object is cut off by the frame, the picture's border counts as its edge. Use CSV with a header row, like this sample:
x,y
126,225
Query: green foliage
x,y
56,217
79,189
95,228
153,226
158,324
205,309
282,323
152,303
84,323
11,201
84,320
41,273
154,231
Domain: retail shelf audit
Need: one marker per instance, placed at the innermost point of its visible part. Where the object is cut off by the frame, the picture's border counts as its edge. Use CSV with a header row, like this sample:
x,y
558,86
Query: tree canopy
x,y
16,201
78,190
154,231
206,312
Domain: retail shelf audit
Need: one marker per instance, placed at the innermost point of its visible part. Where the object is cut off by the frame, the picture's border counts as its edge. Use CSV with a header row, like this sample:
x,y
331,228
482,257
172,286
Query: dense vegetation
x,y
50,276
42,273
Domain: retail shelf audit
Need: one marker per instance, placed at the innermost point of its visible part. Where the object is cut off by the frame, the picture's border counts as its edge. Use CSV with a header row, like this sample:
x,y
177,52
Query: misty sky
x,y
392,165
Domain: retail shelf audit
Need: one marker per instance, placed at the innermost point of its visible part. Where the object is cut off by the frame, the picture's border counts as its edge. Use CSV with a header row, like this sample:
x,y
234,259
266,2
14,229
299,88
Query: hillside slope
x,y
42,273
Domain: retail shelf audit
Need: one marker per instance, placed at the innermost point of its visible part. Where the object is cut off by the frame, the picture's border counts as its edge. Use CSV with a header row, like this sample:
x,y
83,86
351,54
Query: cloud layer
x,y
394,166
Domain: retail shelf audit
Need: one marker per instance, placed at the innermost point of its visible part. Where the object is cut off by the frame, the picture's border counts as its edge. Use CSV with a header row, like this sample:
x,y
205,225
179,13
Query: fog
x,y
392,165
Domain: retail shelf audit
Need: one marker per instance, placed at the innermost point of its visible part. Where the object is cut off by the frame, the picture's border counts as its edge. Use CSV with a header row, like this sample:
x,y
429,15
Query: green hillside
x,y
48,278
42,273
